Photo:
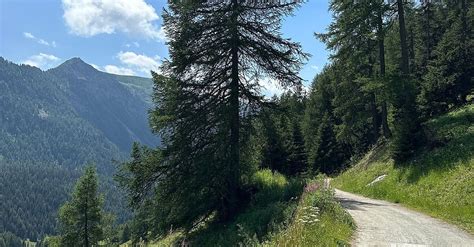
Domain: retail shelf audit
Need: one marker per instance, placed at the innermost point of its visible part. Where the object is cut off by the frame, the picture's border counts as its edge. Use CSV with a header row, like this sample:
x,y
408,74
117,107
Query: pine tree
x,y
449,77
297,160
408,133
274,154
125,234
325,153
429,24
81,217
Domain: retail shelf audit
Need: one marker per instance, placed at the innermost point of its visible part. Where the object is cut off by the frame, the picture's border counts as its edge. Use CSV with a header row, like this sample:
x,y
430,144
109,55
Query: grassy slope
x,y
439,182
319,221
278,215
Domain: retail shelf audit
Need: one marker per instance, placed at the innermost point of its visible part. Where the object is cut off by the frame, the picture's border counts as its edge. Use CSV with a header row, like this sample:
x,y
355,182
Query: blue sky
x,y
121,36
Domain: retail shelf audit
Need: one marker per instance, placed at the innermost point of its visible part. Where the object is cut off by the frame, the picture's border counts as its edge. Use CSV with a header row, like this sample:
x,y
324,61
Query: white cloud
x,y
28,35
39,40
315,67
97,67
91,17
136,44
118,70
139,62
42,60
132,64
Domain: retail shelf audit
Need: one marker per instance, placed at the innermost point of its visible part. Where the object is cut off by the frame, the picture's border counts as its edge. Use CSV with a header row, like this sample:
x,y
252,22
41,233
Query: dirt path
x,y
381,223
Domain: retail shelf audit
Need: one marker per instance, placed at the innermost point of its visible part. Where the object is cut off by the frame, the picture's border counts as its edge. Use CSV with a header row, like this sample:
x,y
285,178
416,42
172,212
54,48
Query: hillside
x,y
118,111
52,123
439,180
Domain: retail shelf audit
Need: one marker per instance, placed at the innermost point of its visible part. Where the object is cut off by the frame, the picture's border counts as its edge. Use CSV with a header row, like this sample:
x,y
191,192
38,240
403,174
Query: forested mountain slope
x,y
118,111
51,124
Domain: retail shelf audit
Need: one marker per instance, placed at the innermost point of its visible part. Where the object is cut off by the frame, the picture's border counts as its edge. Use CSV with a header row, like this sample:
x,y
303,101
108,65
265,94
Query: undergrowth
x,y
282,212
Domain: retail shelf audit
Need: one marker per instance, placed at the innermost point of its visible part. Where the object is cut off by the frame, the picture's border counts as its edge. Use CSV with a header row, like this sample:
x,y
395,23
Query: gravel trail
x,y
381,223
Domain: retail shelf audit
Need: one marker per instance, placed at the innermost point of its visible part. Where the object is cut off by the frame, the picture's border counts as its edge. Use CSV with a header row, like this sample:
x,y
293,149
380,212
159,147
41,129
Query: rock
x,y
378,179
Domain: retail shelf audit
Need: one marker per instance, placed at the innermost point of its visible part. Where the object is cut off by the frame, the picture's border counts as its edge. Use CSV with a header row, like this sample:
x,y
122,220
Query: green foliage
x,y
8,239
125,234
408,133
81,218
449,73
51,241
279,135
278,215
31,193
270,210
325,153
437,181
423,58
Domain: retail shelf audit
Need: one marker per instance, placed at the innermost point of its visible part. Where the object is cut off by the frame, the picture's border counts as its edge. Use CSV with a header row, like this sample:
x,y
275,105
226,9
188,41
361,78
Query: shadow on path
x,y
355,205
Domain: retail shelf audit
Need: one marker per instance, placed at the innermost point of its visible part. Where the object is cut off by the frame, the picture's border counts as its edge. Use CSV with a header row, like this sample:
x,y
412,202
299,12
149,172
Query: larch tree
x,y
81,217
354,35
219,52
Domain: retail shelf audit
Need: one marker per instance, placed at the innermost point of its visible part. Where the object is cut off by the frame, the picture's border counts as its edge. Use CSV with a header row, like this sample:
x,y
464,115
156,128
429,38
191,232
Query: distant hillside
x,y
117,109
139,86
60,119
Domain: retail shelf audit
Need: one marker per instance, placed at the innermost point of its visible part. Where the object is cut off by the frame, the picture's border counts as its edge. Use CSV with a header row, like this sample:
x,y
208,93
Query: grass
x,y
279,214
439,181
319,221
270,209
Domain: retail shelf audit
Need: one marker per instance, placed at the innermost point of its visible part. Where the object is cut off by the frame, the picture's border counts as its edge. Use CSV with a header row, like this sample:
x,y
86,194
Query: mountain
x,y
52,123
118,111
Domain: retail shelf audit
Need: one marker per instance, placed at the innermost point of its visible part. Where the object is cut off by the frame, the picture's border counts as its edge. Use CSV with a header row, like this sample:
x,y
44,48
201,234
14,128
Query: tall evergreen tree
x,y
381,9
274,154
325,153
429,24
354,36
404,62
408,130
219,50
81,217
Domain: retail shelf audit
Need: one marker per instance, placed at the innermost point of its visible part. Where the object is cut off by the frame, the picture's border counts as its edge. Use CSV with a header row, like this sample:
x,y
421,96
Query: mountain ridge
x,y
53,122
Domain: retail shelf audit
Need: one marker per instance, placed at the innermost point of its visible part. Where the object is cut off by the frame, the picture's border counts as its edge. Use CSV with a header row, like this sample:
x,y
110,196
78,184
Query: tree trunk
x,y
86,227
428,36
372,99
230,203
403,39
381,39
464,38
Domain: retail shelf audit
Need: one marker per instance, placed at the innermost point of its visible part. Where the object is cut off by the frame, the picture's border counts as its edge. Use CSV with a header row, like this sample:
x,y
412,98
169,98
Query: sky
x,y
124,36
